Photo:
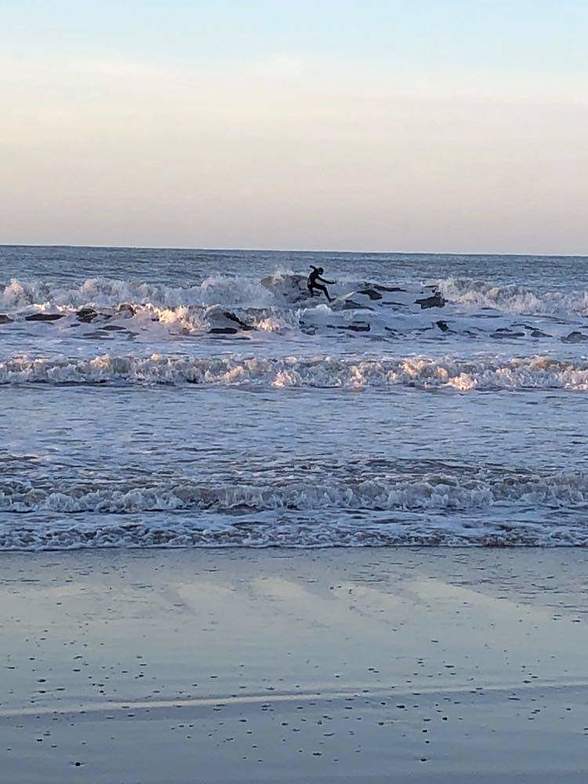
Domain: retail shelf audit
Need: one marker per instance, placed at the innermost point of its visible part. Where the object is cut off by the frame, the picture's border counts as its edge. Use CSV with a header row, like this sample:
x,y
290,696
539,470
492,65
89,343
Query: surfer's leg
x,y
325,292
318,287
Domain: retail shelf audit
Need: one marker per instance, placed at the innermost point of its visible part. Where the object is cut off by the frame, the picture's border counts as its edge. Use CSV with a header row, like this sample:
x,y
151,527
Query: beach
x,y
340,665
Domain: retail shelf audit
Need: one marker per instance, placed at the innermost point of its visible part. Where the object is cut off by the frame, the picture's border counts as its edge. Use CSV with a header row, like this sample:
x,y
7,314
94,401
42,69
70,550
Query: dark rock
x,y
533,331
4,319
575,337
442,326
379,287
358,326
436,300
44,316
506,333
232,317
371,293
87,315
225,321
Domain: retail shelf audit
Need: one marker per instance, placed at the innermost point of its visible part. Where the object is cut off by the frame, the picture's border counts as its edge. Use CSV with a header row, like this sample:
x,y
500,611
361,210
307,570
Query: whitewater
x,y
188,398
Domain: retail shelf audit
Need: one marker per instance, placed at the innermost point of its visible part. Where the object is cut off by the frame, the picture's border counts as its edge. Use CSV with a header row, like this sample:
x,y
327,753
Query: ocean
x,y
192,398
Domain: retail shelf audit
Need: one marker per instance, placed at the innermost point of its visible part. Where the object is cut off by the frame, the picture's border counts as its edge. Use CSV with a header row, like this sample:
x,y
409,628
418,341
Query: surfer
x,y
315,282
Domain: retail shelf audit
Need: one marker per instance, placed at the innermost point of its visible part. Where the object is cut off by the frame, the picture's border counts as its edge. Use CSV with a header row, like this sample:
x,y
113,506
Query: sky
x,y
384,125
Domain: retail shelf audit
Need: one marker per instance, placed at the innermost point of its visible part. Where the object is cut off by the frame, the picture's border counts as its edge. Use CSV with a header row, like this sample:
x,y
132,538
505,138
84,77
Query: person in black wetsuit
x,y
316,283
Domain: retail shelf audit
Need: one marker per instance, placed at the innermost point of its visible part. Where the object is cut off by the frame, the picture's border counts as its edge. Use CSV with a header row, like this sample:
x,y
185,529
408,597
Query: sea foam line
x,y
383,491
205,532
464,375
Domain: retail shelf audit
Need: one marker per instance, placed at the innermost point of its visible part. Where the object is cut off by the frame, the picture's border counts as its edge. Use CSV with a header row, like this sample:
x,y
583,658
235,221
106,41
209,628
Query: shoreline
x,y
171,666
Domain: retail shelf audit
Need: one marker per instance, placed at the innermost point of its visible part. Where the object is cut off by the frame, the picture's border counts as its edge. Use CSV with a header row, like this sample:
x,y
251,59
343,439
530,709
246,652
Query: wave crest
x,y
421,372
439,491
512,298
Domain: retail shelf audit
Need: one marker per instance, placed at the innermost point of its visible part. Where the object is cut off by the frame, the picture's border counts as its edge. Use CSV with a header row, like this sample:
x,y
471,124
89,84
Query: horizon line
x,y
294,250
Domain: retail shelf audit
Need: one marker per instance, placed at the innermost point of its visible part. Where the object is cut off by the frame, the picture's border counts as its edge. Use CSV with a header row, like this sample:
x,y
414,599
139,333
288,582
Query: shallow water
x,y
137,426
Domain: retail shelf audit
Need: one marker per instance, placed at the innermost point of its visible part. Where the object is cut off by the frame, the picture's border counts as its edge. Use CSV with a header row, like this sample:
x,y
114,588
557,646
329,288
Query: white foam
x,y
110,292
259,530
476,294
474,309
428,491
237,291
354,505
421,372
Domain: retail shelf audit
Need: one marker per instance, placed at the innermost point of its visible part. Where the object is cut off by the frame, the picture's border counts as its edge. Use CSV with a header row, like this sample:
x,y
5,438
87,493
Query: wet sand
x,y
372,666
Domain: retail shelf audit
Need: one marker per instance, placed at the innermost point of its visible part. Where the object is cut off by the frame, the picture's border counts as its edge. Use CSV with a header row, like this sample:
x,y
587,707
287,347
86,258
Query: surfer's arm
x,y
330,282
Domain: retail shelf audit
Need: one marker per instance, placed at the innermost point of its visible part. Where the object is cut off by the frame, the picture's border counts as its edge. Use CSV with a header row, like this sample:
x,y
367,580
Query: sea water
x,y
164,398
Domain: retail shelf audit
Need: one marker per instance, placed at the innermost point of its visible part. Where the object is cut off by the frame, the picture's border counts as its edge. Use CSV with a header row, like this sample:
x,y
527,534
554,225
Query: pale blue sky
x,y
380,124
489,34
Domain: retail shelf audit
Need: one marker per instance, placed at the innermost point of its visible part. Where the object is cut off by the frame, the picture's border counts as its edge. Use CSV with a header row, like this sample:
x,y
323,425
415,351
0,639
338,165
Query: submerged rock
x,y
575,337
357,326
532,331
503,332
371,293
225,322
380,287
237,320
44,316
436,300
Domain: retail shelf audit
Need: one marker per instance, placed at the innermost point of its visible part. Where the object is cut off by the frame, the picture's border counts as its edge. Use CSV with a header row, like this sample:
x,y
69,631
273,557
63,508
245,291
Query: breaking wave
x,y
234,290
439,490
421,372
518,299
397,531
450,308
446,506
109,292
